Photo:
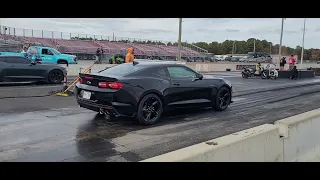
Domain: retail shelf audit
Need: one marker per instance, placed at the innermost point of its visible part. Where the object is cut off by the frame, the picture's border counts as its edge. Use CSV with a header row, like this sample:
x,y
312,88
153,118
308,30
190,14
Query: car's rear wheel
x,y
55,76
149,109
222,100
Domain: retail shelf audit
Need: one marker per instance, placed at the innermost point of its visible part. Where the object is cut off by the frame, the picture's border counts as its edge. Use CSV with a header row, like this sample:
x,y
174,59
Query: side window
x,y
32,50
161,72
181,73
46,52
17,60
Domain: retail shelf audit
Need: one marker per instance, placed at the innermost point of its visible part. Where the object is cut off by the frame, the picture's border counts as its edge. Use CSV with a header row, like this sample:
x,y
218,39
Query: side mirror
x,y
200,76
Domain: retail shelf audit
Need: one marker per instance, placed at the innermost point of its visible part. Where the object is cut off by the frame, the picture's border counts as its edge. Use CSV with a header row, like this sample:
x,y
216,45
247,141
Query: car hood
x,y
48,64
212,77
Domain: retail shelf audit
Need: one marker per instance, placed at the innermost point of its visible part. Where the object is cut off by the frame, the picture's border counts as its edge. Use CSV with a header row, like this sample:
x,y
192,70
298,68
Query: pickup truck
x,y
45,54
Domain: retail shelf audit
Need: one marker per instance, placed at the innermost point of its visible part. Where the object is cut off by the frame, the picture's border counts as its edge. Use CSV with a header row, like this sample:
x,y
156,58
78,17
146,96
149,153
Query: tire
x,y
244,75
224,93
145,110
55,76
63,62
263,75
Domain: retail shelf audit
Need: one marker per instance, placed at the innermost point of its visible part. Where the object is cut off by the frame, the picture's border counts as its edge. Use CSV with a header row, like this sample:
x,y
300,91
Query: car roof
x,y
157,63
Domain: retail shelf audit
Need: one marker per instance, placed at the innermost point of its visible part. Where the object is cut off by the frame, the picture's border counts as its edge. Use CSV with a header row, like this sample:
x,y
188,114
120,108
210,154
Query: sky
x,y
166,29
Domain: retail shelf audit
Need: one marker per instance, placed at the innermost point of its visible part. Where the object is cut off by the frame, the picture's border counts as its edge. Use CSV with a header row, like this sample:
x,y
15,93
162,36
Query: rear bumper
x,y
115,109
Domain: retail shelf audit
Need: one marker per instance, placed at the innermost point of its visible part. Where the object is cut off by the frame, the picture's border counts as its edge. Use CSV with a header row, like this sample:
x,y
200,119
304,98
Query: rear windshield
x,y
122,69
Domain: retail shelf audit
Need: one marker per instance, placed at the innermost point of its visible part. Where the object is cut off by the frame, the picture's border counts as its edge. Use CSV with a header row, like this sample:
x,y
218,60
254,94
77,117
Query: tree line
x,y
235,47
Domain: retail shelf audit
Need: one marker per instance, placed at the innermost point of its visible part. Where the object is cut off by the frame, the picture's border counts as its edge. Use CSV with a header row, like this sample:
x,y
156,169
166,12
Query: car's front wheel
x,y
222,100
149,109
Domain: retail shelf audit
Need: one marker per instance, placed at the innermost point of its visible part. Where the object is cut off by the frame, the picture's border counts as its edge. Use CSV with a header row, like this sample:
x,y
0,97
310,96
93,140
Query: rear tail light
x,y
80,80
115,85
111,85
103,84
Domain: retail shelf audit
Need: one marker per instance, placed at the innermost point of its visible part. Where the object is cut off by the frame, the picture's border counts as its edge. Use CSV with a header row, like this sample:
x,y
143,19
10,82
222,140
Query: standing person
x,y
98,53
102,54
282,63
129,56
292,62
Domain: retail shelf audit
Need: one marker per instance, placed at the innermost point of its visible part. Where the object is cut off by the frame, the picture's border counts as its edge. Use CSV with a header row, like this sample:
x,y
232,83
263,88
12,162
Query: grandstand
x,y
85,49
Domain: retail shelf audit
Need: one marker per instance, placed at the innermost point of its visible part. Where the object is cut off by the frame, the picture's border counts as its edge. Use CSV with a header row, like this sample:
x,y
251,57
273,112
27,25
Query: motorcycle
x,y
271,72
249,72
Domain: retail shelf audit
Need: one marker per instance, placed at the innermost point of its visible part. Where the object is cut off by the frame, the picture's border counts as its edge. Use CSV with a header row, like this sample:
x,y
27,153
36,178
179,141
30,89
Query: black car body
x,y
121,90
21,69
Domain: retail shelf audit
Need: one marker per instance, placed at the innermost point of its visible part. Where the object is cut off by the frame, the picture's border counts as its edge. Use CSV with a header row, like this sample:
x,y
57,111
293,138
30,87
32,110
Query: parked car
x,y
45,54
21,69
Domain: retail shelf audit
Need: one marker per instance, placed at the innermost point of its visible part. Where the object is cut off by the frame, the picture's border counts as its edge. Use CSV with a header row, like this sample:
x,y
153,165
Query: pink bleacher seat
x,y
44,41
90,47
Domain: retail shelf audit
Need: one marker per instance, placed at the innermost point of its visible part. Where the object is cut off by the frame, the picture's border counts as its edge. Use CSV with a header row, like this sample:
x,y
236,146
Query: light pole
x,y
179,39
233,45
280,40
304,30
270,48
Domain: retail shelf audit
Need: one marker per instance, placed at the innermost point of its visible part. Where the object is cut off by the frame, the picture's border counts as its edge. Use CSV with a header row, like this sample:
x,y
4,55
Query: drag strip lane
x,y
75,134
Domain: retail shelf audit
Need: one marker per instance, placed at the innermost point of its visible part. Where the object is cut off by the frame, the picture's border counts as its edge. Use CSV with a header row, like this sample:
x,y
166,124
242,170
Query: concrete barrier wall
x,y
234,147
296,138
74,69
301,137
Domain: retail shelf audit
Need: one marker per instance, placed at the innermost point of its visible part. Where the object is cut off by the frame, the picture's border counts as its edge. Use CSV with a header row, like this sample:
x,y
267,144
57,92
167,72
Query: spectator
x,y
102,54
282,63
294,73
129,56
292,62
98,54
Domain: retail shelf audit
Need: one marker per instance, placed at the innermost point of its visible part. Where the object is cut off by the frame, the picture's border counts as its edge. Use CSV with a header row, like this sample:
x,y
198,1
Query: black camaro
x,y
21,69
144,89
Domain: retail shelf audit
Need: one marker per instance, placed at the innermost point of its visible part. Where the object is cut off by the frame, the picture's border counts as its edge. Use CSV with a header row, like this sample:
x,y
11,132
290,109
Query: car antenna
x,y
135,63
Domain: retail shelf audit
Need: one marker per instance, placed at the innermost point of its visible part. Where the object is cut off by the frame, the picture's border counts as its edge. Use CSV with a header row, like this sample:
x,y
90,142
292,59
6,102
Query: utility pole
x,y
270,48
179,39
281,35
254,45
304,30
233,47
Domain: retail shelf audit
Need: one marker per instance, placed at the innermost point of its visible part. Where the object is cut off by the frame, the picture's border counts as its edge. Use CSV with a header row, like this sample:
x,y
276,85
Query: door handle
x,y
12,66
176,84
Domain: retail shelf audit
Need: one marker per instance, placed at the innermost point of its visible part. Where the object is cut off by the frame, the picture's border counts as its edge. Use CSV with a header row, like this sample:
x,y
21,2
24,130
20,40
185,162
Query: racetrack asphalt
x,y
53,128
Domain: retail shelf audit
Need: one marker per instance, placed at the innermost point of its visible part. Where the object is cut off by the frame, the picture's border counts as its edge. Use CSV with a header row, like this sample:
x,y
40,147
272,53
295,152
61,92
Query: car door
x,y
47,55
3,68
17,68
185,89
20,69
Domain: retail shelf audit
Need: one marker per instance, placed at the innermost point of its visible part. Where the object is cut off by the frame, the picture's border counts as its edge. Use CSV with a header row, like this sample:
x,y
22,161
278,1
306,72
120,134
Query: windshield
x,y
251,55
122,69
55,51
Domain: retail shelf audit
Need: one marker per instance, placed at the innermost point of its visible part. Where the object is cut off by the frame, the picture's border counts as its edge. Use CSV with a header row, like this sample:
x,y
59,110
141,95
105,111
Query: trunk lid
x,y
94,79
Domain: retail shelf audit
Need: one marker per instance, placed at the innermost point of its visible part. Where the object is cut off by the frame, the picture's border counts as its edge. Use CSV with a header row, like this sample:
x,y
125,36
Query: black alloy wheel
x,y
150,109
223,99
55,76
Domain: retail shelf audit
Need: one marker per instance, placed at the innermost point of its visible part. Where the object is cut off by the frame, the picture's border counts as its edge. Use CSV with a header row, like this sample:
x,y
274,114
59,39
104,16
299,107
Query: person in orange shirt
x,y
129,56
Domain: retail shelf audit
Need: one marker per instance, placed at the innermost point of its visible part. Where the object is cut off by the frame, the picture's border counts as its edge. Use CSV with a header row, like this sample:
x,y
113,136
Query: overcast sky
x,y
193,30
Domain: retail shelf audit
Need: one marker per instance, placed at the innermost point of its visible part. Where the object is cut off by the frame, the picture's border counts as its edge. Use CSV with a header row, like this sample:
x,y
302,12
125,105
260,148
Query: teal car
x,y
45,54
